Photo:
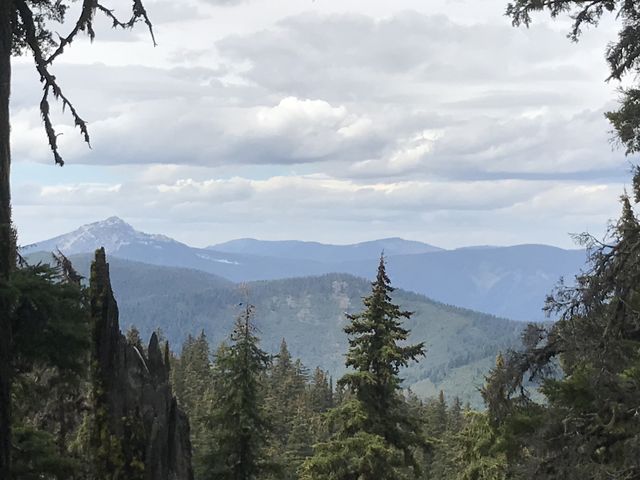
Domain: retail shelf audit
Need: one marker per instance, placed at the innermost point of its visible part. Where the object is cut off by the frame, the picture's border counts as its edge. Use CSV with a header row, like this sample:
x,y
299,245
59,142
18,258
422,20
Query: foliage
x,y
623,55
376,434
238,442
309,313
192,381
51,346
589,426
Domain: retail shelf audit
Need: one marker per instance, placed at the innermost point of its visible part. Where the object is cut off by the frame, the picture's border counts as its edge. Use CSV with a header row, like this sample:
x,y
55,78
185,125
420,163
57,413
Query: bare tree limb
x,y
50,85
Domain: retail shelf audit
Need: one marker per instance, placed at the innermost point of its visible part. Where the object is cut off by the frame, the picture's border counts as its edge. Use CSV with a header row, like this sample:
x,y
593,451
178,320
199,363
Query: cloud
x,y
359,57
165,12
357,97
343,124
299,206
224,3
523,147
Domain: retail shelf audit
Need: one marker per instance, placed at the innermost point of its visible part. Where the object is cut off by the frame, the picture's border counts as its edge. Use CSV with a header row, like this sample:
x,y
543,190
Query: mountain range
x,y
321,252
510,282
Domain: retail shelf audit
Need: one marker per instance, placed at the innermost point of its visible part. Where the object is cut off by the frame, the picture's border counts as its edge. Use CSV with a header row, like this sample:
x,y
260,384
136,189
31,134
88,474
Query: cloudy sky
x,y
329,120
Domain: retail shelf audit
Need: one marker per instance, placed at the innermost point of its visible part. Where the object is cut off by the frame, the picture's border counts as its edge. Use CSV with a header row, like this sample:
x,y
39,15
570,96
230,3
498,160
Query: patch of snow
x,y
219,260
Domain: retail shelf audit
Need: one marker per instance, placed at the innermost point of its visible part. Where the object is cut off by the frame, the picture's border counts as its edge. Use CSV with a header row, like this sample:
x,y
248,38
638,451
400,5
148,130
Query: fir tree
x,y
376,433
192,380
588,427
237,449
320,391
287,408
455,415
51,349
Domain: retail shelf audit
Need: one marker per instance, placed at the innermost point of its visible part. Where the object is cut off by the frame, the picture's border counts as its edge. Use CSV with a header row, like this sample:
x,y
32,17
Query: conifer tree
x,y
320,391
455,415
51,349
622,55
588,427
437,415
192,381
192,373
288,411
239,436
376,434
478,451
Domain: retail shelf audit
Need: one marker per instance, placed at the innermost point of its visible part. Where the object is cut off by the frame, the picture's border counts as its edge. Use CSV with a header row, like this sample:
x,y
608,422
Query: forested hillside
x,y
310,314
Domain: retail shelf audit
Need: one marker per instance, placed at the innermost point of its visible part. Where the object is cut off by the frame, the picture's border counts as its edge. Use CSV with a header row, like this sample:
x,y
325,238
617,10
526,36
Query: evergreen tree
x,y
440,431
192,381
376,434
239,436
622,55
133,338
192,374
287,408
51,348
588,427
477,452
436,416
320,391
455,415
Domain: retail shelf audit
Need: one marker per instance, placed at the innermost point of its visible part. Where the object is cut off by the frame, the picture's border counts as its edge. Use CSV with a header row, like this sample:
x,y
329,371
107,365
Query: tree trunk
x,y
7,238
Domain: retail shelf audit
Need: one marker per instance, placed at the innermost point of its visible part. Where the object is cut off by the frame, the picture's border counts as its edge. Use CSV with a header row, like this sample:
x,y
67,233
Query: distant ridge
x,y
511,282
325,252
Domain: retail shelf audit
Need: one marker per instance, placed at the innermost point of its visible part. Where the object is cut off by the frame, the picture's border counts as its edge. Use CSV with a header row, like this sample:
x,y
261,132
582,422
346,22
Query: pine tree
x,y
192,380
376,433
240,426
588,427
622,55
51,349
287,401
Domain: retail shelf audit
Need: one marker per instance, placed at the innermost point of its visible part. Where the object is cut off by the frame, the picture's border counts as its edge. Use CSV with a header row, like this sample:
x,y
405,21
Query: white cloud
x,y
301,206
347,120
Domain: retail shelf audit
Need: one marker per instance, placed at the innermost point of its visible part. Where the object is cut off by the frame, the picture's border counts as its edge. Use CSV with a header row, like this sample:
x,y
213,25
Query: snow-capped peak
x,y
112,234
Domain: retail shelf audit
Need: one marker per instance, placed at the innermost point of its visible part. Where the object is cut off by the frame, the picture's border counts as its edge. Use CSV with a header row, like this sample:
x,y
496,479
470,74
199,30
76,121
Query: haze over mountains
x,y
510,282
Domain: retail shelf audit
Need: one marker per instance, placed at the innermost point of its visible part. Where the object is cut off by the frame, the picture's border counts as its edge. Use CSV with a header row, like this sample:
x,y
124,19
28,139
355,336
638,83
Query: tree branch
x,y
50,85
84,22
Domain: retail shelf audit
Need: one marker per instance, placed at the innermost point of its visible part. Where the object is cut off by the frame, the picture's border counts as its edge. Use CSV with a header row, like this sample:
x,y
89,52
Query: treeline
x,y
295,402
259,416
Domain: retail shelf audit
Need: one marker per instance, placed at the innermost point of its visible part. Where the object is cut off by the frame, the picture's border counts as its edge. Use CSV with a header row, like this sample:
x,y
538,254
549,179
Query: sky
x,y
330,120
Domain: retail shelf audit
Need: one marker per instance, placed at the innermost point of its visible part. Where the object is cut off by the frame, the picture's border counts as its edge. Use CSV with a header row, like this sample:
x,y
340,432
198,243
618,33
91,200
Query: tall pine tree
x,y
239,436
589,426
376,434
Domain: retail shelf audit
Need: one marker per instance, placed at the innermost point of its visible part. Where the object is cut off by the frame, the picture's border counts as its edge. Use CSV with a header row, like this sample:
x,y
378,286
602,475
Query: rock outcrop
x,y
139,432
